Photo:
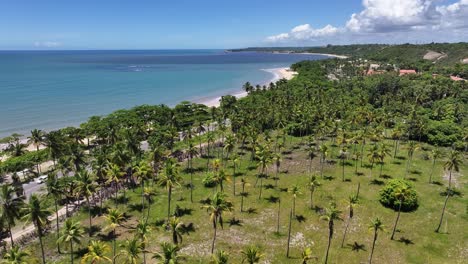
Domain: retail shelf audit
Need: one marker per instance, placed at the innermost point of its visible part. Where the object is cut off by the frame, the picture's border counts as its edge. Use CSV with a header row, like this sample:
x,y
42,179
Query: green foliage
x,y
24,161
389,195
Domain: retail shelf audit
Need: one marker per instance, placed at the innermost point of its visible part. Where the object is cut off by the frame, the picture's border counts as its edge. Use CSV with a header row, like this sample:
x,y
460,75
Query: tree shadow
x,y
300,218
348,180
272,199
437,183
97,210
328,178
205,201
406,241
268,186
413,179
359,173
93,230
179,212
455,192
318,209
120,199
377,182
400,157
187,228
251,167
251,210
235,222
135,207
107,237
284,171
417,172
286,152
386,176
237,174
357,247
396,162
283,189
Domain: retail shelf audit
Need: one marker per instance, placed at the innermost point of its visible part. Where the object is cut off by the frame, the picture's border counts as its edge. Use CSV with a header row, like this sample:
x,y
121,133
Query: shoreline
x,y
325,54
278,74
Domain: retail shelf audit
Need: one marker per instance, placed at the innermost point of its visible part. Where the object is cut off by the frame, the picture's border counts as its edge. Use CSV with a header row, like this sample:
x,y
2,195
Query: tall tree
x,y
141,232
130,251
15,255
86,187
218,205
10,206
401,194
114,219
97,253
312,186
449,194
169,179
251,254
453,164
331,215
435,155
37,139
55,190
72,232
376,226
352,201
169,254
35,211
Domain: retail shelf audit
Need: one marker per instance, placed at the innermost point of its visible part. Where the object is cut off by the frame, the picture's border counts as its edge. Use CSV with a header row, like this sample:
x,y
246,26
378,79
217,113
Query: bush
x,y
389,199
27,160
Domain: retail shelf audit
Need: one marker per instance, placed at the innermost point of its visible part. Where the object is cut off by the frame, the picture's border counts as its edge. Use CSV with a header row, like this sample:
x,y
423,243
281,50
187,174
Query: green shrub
x,y
24,161
388,197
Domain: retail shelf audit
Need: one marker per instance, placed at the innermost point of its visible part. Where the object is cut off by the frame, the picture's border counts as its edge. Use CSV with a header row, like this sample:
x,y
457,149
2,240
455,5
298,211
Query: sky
x,y
196,24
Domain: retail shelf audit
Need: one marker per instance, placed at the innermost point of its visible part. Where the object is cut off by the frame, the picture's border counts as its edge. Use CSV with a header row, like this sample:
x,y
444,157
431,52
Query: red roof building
x,y
404,72
456,78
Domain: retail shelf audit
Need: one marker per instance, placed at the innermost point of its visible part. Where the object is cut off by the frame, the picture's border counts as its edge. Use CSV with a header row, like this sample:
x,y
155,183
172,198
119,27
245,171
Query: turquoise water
x,y
54,89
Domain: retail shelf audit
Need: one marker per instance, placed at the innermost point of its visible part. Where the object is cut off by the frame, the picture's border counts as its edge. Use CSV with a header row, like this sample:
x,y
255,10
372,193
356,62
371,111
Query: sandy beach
x,y
278,74
326,54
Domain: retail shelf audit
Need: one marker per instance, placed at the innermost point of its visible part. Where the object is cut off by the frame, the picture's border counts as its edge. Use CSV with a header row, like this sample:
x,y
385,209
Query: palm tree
x,y
343,155
449,194
192,152
219,178
114,173
373,156
352,200
312,185
86,186
97,251
169,179
294,191
453,163
35,211
130,251
376,225
169,254
72,232
36,139
141,231
143,172
384,151
218,205
277,161
412,147
435,155
306,255
114,218
175,226
235,160
10,206
401,195
324,153
243,194
331,215
148,194
263,155
55,190
229,144
15,255
221,257
251,254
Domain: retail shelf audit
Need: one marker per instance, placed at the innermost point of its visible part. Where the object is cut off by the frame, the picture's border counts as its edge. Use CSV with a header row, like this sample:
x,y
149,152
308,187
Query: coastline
x,y
324,54
278,74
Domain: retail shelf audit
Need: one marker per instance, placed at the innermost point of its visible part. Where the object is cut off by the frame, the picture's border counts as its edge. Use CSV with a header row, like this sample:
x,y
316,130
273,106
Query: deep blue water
x,y
54,89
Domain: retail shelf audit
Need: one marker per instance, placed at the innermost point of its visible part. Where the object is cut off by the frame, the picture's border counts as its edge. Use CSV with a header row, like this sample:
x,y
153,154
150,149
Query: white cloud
x,y
305,32
47,44
426,19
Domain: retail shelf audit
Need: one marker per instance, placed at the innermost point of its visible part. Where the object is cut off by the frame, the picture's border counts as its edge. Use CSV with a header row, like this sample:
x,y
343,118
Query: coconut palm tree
x,y
277,161
219,178
192,152
229,144
114,174
412,147
435,155
141,231
324,151
263,155
401,195
352,201
294,191
15,255
169,179
453,164
373,156
37,139
87,187
218,205
97,251
143,173
55,190
376,226
383,151
449,194
251,254
243,194
175,226
312,185
169,254
343,156
114,218
148,194
331,215
221,257
35,211
10,205
306,255
235,161
130,251
72,232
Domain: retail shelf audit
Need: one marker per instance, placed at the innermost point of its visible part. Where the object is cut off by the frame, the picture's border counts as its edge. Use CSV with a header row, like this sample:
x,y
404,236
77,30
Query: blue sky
x,y
156,24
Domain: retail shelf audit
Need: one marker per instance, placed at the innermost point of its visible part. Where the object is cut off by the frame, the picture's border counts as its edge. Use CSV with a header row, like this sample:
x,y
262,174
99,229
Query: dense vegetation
x,y
311,170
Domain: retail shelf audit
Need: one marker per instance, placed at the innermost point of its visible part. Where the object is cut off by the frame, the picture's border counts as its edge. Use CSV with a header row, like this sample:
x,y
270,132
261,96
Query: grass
x,y
416,241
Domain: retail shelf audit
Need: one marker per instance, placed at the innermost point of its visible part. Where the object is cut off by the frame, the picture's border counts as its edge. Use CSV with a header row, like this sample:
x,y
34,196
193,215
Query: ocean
x,y
54,89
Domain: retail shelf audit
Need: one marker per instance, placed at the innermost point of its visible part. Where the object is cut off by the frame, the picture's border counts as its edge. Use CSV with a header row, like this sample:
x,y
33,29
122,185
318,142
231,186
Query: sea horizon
x,y
52,89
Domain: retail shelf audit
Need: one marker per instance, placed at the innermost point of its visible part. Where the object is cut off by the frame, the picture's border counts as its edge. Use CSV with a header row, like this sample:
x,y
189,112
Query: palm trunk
x,y
330,236
234,179
39,231
113,246
345,232
289,232
214,238
71,251
396,221
169,194
11,234
443,211
373,246
57,224
342,164
242,197
432,170
191,180
261,188
278,219
450,179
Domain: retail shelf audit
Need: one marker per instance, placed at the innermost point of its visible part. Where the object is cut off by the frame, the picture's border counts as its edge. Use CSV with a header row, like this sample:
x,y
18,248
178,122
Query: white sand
x,y
278,74
326,54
